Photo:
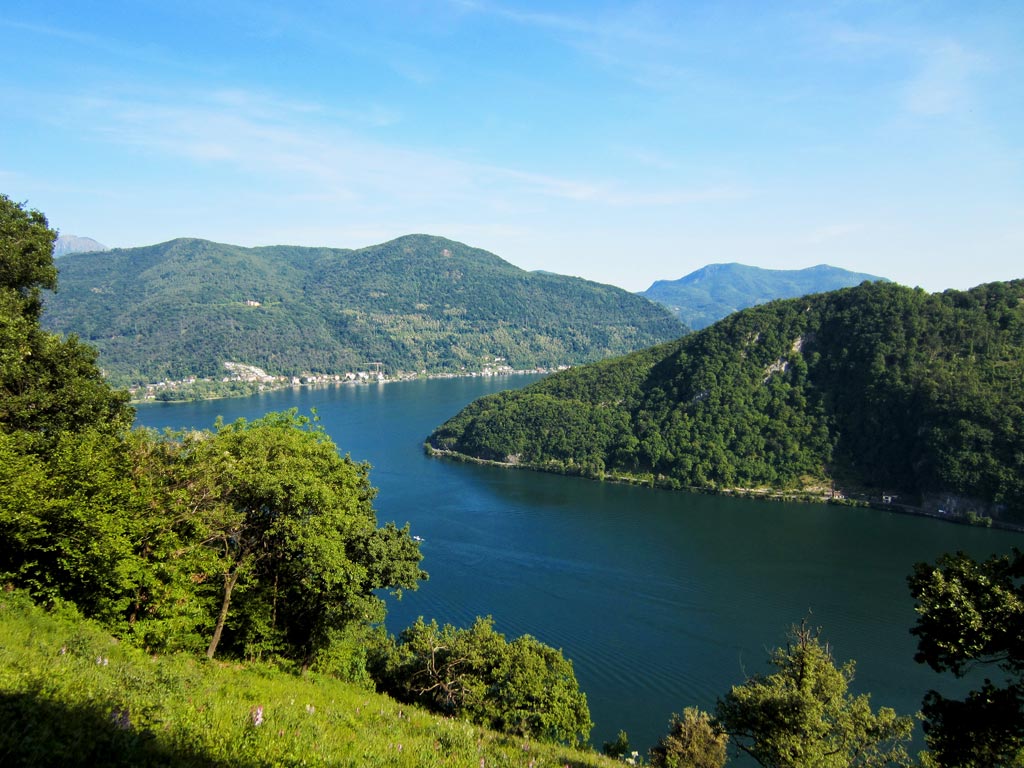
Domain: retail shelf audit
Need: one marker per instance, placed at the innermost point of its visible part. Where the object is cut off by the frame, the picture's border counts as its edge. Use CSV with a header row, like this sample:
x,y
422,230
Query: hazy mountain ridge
x,y
877,387
717,290
66,244
418,302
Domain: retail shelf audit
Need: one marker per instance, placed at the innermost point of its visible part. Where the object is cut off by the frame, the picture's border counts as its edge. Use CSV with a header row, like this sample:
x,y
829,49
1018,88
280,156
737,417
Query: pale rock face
x,y
73,244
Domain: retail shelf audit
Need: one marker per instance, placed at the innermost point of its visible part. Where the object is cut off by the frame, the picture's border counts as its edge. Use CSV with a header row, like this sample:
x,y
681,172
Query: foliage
x,y
692,741
881,388
617,748
153,534
297,534
802,716
712,292
971,614
47,385
72,696
182,308
521,687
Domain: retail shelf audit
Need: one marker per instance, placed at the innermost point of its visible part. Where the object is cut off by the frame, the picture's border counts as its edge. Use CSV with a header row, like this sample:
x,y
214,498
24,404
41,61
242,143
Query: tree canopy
x,y
296,531
802,715
47,384
522,687
971,616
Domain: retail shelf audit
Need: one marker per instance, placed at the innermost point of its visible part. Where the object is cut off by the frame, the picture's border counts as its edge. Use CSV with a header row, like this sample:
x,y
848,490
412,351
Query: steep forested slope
x,y
419,302
712,292
875,387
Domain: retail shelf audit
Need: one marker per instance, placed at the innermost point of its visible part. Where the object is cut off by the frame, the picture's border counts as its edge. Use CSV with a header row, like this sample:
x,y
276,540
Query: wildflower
x,y
119,717
310,708
256,715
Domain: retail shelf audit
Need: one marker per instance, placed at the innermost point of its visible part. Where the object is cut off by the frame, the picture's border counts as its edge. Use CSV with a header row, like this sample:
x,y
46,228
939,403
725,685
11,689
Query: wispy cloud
x,y
69,35
938,69
305,146
634,39
942,83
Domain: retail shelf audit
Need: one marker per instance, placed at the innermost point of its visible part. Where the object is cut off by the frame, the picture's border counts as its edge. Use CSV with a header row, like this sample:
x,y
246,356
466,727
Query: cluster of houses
x,y
261,381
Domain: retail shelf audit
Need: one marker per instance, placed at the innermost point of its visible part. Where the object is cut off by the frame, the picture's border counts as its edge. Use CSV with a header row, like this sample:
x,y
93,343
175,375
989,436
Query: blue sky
x,y
622,142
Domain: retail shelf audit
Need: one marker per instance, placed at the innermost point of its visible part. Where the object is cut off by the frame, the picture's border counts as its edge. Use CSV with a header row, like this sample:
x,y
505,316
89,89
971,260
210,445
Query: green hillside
x,y
717,290
879,389
184,307
71,695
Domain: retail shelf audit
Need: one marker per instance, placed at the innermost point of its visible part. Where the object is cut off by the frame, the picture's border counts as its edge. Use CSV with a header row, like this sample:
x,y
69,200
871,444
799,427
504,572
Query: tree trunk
x,y
229,584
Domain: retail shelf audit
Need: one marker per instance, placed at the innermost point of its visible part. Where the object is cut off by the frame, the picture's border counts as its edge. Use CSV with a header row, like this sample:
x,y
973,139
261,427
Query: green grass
x,y
72,695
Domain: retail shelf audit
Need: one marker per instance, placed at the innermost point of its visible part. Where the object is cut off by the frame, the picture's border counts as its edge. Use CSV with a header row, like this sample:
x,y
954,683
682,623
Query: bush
x,y
521,687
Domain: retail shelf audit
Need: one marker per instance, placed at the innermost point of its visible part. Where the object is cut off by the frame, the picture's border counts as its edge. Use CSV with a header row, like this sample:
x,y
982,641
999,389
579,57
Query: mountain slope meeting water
x,y
717,290
418,303
878,390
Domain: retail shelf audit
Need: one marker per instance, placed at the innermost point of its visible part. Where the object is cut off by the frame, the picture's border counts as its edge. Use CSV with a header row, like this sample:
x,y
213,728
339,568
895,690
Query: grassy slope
x,y
65,687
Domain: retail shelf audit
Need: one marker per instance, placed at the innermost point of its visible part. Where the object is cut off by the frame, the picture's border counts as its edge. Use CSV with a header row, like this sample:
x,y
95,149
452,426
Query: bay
x,y
662,599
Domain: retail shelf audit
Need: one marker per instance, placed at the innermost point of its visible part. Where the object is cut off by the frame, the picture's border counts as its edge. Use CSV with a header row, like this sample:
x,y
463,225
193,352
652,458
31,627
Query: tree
x,y
692,741
522,687
801,715
971,615
298,536
108,523
47,385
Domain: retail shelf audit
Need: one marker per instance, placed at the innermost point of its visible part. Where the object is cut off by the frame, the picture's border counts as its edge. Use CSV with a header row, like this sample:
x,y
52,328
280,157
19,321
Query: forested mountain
x,y
878,387
717,290
184,307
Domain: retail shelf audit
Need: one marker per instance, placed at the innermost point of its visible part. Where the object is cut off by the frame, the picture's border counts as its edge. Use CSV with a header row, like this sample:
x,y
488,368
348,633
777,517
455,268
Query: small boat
x,y
418,538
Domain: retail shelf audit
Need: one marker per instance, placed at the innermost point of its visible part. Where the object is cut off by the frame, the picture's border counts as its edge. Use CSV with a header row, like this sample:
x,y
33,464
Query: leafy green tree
x,y
970,615
298,536
47,385
692,741
802,716
93,522
522,687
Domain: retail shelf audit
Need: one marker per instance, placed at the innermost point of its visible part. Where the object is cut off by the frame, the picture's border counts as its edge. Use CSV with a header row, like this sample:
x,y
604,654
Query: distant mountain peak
x,y
73,244
716,290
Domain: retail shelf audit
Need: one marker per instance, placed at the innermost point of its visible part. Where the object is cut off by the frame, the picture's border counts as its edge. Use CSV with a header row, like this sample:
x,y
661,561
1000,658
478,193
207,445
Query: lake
x,y
662,599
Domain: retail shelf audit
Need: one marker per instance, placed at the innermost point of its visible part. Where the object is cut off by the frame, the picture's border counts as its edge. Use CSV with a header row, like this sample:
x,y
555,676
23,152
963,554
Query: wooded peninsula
x,y
878,391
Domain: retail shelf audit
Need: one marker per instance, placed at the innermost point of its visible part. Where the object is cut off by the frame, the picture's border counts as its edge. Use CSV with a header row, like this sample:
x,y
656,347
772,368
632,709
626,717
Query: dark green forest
x,y
712,292
879,389
417,303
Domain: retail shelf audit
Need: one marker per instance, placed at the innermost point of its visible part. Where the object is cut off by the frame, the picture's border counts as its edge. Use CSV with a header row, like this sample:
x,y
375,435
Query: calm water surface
x,y
663,600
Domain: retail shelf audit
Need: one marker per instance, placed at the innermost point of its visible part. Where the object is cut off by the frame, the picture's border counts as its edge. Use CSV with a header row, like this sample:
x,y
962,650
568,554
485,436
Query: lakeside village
x,y
243,379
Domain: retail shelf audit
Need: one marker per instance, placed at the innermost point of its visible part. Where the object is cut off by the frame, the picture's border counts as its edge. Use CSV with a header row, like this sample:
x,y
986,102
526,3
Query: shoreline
x,y
250,387
797,497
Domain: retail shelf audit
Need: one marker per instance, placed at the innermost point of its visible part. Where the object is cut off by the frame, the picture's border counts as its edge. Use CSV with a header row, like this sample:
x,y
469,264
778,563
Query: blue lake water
x,y
662,599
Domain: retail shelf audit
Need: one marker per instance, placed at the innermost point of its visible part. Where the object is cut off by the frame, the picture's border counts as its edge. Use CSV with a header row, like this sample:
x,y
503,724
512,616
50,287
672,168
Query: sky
x,y
624,142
